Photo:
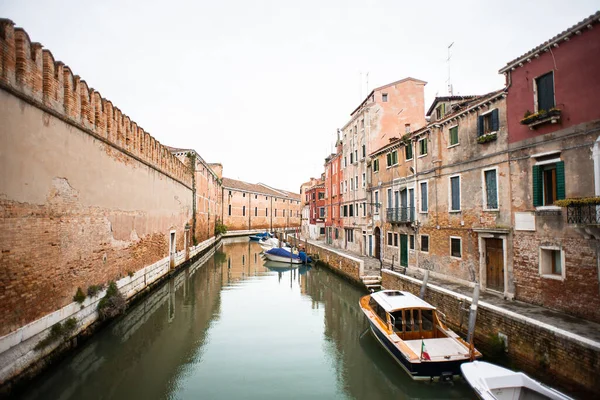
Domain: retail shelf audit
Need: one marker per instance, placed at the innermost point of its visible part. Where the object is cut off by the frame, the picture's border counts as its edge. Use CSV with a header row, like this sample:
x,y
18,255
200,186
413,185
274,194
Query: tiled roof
x,y
229,183
446,98
579,27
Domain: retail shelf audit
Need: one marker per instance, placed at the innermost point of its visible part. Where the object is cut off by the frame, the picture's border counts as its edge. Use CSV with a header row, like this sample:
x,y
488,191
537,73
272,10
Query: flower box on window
x,y
541,117
487,138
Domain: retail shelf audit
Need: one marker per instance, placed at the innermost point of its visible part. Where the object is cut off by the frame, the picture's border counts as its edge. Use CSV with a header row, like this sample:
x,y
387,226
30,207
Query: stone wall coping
x,y
511,314
339,253
16,348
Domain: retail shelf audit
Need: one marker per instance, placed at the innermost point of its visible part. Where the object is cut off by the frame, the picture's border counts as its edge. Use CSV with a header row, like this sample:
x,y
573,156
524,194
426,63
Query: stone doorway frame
x,y
504,235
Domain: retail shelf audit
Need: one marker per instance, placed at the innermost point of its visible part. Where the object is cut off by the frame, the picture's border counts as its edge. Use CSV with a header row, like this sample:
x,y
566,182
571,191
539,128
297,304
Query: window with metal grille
x,y
425,243
455,247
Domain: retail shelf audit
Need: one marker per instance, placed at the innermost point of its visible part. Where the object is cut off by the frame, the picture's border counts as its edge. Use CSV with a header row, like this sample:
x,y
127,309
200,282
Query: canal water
x,y
235,327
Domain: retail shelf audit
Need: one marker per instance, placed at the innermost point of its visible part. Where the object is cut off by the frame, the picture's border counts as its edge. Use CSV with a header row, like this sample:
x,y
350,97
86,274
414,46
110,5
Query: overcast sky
x,y
262,86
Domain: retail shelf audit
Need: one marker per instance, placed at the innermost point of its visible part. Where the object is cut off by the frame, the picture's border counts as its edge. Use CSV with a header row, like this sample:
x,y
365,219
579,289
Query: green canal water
x,y
235,328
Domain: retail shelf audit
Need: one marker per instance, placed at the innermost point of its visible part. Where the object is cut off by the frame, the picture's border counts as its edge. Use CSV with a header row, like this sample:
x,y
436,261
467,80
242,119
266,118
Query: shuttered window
x,y
545,91
488,123
548,183
422,147
408,151
453,136
424,198
455,193
491,189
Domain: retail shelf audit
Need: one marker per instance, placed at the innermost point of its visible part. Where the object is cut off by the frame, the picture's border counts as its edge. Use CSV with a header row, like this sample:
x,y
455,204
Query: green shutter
x,y
560,180
480,125
537,186
495,121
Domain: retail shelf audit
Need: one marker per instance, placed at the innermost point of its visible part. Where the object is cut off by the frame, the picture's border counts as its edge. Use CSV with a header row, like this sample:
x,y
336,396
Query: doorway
x,y
377,232
404,250
494,264
172,247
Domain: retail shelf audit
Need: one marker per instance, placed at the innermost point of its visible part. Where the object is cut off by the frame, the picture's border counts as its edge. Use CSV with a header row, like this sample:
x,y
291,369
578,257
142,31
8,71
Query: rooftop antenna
x,y
450,91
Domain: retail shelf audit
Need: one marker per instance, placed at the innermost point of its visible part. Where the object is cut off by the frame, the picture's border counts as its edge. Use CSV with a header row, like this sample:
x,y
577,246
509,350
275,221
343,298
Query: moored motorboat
x,y
411,331
282,255
259,236
492,382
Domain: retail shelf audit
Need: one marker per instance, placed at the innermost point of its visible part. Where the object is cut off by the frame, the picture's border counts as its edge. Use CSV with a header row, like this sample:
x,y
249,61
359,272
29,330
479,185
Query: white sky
x,y
262,86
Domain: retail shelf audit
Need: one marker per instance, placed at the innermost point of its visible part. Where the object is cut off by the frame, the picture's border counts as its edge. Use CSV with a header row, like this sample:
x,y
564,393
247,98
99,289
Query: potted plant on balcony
x,y
542,116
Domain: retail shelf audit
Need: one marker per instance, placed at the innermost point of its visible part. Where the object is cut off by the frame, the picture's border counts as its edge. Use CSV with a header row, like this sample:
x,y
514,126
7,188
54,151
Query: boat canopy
x,y
393,300
276,251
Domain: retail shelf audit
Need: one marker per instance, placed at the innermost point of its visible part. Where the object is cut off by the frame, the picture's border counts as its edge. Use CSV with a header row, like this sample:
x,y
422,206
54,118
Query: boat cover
x,y
281,253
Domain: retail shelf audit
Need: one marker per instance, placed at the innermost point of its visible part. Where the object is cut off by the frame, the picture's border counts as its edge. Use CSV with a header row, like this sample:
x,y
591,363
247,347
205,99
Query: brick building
x,y
317,210
388,111
554,133
333,197
258,206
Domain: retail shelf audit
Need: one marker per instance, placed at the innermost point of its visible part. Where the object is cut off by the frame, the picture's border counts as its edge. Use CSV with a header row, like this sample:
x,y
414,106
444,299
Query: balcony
x,y
583,215
400,215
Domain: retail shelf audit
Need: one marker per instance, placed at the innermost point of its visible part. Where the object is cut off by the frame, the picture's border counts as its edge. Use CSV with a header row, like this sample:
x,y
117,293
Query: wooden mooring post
x,y
472,320
424,284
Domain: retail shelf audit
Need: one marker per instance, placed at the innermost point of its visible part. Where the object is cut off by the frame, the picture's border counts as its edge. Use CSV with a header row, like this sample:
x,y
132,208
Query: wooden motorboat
x,y
412,332
492,382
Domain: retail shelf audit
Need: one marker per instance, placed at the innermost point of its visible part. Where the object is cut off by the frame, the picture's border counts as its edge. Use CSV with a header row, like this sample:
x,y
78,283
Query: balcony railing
x,y
583,214
401,215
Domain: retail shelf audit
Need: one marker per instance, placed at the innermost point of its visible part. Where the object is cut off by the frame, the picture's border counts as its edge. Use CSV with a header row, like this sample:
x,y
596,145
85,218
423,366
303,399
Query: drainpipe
x,y
596,158
417,219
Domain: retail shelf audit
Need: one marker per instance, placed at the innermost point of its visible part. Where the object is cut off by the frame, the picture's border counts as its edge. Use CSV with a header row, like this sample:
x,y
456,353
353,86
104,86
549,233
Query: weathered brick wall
x,y
548,354
86,195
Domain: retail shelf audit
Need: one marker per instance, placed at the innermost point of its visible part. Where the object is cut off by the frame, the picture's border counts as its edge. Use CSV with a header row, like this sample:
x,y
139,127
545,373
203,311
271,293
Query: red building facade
x,y
333,195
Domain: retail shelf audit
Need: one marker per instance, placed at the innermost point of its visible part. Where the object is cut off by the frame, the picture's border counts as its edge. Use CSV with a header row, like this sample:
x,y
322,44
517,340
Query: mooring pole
x,y
472,319
424,284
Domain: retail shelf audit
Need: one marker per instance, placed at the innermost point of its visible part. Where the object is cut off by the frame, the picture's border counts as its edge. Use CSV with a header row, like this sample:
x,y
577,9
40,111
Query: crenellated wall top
x,y
31,72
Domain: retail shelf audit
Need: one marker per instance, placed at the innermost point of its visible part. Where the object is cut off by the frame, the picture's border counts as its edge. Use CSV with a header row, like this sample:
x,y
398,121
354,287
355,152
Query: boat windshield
x,y
412,320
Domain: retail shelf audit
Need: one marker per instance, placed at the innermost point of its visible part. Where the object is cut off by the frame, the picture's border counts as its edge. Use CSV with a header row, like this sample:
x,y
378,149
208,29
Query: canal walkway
x,y
589,331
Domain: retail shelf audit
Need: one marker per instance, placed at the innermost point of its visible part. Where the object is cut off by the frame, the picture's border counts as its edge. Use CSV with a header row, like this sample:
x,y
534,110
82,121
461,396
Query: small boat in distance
x,y
282,255
259,236
492,382
411,331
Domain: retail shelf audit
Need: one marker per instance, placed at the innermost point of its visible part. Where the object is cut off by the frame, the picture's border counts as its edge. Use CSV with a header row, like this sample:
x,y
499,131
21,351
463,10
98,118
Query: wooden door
x,y
494,264
377,243
404,250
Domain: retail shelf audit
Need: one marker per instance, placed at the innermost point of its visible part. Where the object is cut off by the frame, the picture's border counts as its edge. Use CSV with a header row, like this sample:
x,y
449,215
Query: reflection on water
x,y
233,326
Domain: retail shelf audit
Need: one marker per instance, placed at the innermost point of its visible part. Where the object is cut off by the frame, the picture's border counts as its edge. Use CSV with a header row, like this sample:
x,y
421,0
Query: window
x,y
284,213
256,211
351,158
313,196
392,158
411,242
341,187
364,208
349,235
364,179
491,189
384,97
255,196
243,194
455,193
321,212
488,123
376,202
408,151
424,198
406,128
322,231
229,212
244,210
395,240
455,247
390,239
423,147
364,151
351,184
230,193
321,195
389,198
356,181
351,210
548,183
453,133
356,155
376,165
544,86
440,111
425,243
551,262
266,212
345,211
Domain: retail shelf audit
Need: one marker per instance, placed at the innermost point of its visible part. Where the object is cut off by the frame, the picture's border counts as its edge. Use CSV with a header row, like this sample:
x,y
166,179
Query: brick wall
x,y
549,354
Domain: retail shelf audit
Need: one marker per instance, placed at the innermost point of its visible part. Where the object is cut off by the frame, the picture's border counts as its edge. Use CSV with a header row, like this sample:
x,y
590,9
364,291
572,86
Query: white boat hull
x,y
287,260
492,382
